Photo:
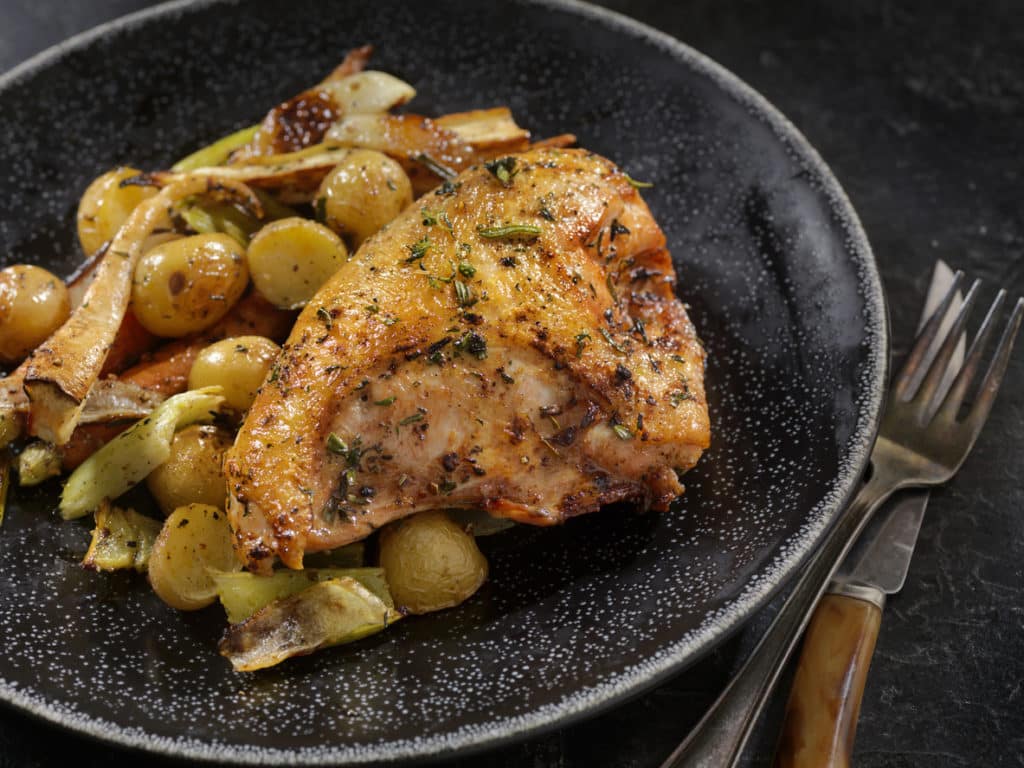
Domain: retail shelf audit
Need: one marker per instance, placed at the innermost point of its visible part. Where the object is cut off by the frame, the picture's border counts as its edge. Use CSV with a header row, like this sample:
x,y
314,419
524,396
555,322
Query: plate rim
x,y
681,654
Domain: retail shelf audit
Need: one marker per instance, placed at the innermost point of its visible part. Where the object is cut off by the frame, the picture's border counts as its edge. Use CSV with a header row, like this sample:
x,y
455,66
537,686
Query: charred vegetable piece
x,y
194,543
368,91
128,458
37,463
430,562
122,539
244,593
114,400
328,613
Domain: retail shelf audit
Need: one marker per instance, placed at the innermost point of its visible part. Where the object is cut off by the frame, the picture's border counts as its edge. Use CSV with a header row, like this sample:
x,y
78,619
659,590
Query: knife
x,y
824,703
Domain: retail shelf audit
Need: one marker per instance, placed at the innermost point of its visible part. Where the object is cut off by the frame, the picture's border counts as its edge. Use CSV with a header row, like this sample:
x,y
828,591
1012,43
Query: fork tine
x,y
951,404
927,393
907,373
994,375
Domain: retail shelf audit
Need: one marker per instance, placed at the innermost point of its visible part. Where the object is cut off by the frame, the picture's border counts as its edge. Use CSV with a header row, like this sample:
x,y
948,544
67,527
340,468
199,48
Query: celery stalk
x,y
129,457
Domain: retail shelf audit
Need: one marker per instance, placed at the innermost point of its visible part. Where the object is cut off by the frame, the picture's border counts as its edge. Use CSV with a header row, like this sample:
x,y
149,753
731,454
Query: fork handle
x,y
824,703
718,739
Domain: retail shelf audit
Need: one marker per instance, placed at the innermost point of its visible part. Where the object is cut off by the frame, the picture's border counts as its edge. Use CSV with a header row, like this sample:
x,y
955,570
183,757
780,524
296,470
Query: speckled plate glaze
x,y
770,255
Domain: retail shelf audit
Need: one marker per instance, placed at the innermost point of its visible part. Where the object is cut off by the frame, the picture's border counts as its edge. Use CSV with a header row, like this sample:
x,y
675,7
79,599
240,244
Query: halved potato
x,y
195,541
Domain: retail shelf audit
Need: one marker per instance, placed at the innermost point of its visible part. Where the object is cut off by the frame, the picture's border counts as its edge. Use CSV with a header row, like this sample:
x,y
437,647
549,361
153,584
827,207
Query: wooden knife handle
x,y
821,716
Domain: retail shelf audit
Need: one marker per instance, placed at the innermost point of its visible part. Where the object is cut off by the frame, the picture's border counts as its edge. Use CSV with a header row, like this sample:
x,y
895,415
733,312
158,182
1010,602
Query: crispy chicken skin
x,y
461,359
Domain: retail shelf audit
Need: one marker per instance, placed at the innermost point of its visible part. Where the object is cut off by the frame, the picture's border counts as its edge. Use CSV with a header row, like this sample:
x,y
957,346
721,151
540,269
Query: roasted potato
x,y
364,192
194,541
430,562
33,304
290,259
192,473
238,365
106,205
184,286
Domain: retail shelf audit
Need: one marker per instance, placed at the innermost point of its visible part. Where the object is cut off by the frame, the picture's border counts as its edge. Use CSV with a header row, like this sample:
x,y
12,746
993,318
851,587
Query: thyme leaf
x,y
503,169
611,342
528,231
436,167
581,341
638,184
418,249
464,294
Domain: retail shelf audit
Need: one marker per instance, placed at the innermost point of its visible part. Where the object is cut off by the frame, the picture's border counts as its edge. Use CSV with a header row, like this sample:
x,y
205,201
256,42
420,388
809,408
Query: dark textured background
x,y
920,112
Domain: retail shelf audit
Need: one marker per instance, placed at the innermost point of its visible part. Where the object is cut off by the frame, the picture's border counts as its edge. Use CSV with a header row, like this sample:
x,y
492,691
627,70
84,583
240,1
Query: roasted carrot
x,y
166,370
87,439
131,342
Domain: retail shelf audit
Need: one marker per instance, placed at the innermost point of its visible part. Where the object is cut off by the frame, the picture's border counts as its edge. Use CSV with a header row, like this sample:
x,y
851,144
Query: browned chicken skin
x,y
511,342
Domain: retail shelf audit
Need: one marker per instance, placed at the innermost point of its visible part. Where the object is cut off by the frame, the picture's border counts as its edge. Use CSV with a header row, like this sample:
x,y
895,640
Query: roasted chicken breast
x,y
511,342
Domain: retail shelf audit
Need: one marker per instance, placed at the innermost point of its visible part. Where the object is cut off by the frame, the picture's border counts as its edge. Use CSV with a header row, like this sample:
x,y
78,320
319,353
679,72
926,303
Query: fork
x,y
922,441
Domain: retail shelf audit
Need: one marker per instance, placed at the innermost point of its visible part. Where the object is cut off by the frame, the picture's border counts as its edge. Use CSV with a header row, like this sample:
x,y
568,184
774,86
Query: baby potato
x,y
186,285
291,258
192,473
430,562
106,205
194,540
33,304
364,192
239,365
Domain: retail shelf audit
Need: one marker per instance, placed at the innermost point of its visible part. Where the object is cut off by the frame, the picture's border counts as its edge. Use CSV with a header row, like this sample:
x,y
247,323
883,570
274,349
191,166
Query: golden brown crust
x,y
538,372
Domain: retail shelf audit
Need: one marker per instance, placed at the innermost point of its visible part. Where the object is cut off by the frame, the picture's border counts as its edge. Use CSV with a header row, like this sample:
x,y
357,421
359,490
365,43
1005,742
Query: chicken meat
x,y
512,342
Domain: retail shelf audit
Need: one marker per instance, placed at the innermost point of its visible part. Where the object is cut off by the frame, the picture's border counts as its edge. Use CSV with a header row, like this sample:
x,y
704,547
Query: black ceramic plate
x,y
770,256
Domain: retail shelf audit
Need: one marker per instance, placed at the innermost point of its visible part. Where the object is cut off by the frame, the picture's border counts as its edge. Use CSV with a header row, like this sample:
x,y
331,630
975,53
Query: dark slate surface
x,y
920,112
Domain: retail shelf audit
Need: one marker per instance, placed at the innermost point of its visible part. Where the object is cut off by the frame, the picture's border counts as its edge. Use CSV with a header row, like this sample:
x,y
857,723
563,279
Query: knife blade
x,y
824,704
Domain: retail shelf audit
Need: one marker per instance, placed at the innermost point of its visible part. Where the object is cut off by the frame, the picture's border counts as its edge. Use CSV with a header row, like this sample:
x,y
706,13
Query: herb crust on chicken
x,y
511,342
